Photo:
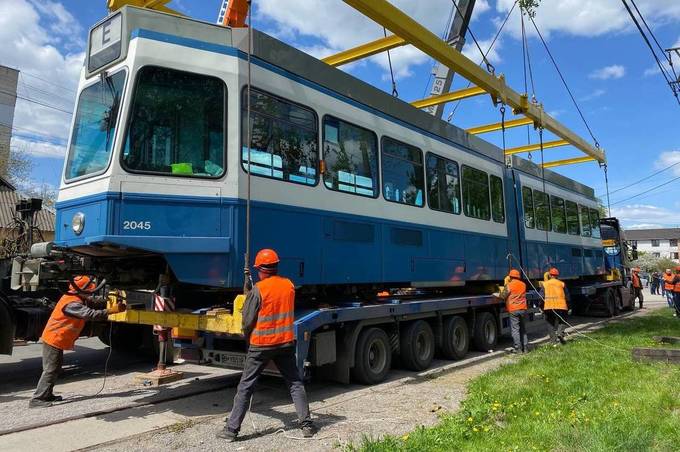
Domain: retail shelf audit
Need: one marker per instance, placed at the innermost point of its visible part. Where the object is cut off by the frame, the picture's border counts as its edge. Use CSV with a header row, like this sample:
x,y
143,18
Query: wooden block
x,y
671,355
158,377
667,339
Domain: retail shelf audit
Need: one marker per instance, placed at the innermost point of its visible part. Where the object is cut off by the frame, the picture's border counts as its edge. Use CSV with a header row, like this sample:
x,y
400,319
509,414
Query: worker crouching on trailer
x,y
515,295
555,296
63,329
268,316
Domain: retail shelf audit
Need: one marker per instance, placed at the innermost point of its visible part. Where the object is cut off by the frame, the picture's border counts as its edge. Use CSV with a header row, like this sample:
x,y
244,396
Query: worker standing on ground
x,y
268,316
676,291
515,295
63,329
637,286
555,296
668,287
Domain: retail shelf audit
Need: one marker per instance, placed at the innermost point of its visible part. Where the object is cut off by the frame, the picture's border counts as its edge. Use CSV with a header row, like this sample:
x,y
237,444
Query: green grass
x,y
581,397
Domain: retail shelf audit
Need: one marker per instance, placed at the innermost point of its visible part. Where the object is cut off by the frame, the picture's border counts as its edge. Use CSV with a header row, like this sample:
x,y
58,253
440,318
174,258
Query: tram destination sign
x,y
105,43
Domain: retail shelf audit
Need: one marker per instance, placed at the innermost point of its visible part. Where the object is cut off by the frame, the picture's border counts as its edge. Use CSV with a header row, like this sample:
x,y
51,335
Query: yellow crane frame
x,y
407,31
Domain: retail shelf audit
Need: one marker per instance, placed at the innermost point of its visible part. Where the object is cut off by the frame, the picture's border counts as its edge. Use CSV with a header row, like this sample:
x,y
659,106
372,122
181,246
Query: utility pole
x,y
443,76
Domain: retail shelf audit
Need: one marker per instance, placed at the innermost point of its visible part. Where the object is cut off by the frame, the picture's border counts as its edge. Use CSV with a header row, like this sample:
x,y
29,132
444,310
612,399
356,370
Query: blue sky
x,y
624,99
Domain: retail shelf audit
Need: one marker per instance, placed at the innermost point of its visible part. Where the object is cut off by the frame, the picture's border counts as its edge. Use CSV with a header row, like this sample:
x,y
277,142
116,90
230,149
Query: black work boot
x,y
308,430
54,398
39,403
227,435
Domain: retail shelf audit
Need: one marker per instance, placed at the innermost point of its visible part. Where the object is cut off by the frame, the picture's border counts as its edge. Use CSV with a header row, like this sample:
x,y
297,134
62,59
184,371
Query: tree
x,y
649,263
529,6
17,166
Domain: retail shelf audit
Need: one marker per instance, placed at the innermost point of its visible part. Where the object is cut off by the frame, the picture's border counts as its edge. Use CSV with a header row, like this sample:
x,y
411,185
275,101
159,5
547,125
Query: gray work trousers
x,y
556,325
256,361
52,359
518,330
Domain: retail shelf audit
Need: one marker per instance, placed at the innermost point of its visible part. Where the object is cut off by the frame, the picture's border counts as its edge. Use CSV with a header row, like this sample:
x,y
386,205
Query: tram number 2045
x,y
132,225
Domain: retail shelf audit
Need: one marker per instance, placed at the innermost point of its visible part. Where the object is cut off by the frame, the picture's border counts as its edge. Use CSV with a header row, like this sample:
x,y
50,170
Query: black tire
x,y
373,357
485,335
455,338
417,345
619,301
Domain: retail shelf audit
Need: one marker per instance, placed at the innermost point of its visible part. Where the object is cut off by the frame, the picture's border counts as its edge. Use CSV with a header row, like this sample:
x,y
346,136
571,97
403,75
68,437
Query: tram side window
x,y
595,223
559,221
585,222
402,169
443,184
284,141
350,154
528,205
572,218
542,206
177,124
476,203
497,202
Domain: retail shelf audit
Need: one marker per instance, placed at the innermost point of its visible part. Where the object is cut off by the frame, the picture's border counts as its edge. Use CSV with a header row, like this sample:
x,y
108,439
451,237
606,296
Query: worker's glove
x,y
248,284
116,308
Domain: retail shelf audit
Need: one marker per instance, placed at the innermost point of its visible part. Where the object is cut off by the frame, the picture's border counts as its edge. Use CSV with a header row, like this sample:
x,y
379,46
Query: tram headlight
x,y
78,223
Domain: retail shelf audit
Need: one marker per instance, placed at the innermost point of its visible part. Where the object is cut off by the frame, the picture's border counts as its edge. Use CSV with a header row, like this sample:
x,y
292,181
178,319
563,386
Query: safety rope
x,y
489,67
545,191
395,93
247,281
606,184
510,256
502,109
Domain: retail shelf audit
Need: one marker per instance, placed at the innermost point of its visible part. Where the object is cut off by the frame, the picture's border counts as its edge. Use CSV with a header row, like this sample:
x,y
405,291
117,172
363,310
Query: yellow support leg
x,y
536,147
499,126
448,97
572,161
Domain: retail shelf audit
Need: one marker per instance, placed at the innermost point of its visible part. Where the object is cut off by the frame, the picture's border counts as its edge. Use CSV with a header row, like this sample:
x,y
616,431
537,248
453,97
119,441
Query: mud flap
x,y
7,328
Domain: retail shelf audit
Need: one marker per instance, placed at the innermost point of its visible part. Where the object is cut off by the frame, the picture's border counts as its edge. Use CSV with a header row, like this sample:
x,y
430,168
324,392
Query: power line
x,y
651,33
646,191
645,178
22,72
36,102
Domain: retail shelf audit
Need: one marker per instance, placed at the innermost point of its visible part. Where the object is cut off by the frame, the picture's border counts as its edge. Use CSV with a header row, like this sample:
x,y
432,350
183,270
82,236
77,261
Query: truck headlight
x,y
78,223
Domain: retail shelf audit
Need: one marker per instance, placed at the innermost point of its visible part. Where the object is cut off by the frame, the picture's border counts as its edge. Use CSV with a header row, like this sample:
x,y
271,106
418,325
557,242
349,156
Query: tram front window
x,y
176,124
95,127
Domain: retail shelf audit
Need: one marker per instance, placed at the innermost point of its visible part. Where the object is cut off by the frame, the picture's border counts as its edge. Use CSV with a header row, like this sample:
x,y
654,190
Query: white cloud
x,y
38,148
591,17
336,26
605,73
645,226
643,215
666,159
471,51
654,70
32,34
593,95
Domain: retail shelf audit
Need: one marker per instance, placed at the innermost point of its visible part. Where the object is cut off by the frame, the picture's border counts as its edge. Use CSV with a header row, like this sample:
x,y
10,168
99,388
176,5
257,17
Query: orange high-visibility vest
x,y
636,280
554,295
517,300
277,312
62,331
667,281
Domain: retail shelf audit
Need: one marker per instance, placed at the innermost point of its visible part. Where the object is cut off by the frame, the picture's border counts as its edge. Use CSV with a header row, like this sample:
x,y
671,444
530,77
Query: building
x,y
657,242
9,197
8,98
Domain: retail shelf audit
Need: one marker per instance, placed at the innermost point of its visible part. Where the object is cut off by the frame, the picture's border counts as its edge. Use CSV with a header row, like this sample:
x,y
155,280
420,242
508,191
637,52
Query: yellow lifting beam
x,y
536,147
571,161
158,5
217,321
365,50
399,23
448,97
499,126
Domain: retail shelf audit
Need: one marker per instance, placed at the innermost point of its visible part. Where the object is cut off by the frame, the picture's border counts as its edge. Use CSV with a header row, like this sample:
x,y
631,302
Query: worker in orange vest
x,y
63,329
676,291
637,286
555,296
268,316
515,295
668,287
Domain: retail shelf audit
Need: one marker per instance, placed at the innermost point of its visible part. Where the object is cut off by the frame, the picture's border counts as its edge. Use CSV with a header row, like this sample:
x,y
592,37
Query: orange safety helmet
x,y
266,258
514,274
554,272
83,282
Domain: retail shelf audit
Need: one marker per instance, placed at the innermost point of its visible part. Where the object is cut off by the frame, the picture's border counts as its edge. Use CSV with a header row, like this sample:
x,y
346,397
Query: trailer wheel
x,y
373,356
610,303
619,301
456,340
486,332
417,345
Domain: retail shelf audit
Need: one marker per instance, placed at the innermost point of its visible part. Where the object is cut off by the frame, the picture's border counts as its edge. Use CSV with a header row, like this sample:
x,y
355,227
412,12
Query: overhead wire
x,y
646,191
646,178
27,99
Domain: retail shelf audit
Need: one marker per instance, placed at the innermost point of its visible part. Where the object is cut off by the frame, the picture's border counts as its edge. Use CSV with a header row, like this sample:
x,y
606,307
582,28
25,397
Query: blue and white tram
x,y
351,186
